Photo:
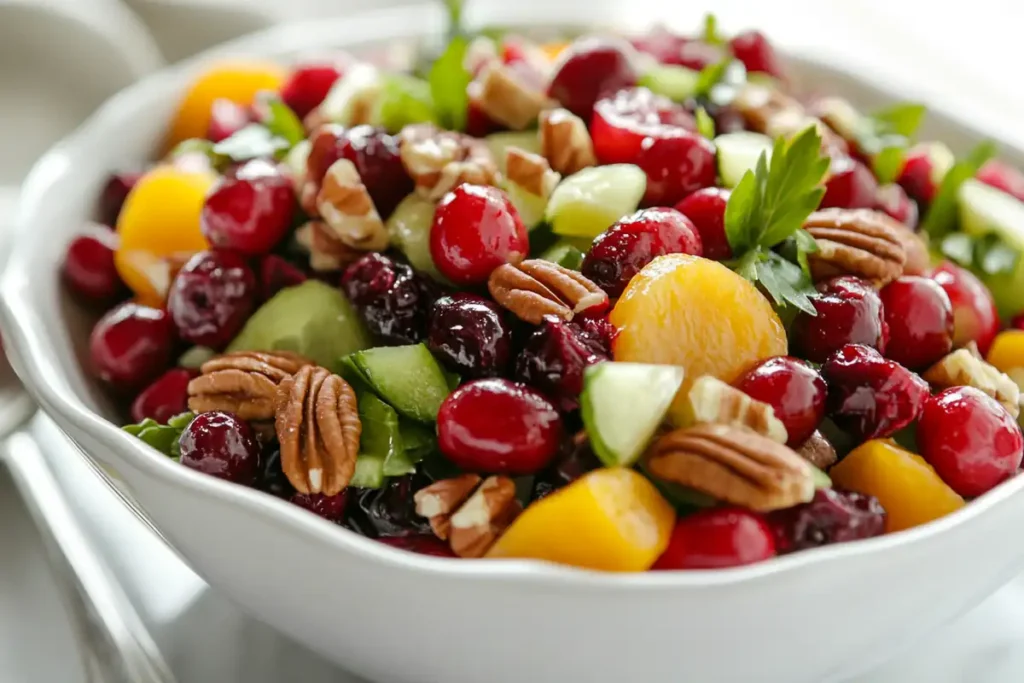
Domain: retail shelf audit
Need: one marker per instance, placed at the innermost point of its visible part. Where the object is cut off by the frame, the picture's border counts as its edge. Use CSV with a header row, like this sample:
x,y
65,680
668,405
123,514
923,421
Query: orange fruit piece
x,y
907,487
611,519
1007,351
695,313
553,50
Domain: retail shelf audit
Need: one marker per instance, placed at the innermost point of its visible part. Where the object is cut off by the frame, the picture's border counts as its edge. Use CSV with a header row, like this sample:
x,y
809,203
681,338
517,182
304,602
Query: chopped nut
x,y
839,114
505,97
565,141
536,288
818,451
918,259
327,253
712,401
858,242
344,204
469,514
769,111
438,501
531,172
963,368
438,161
244,383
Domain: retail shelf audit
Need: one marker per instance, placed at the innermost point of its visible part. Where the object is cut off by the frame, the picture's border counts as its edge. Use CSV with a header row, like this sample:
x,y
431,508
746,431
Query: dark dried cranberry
x,y
212,297
391,511
424,544
369,278
277,273
272,479
113,195
394,300
849,312
553,361
470,335
831,517
331,508
597,330
222,445
575,458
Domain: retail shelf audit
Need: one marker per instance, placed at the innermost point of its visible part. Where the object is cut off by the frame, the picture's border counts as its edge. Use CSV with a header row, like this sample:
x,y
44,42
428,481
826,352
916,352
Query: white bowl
x,y
402,618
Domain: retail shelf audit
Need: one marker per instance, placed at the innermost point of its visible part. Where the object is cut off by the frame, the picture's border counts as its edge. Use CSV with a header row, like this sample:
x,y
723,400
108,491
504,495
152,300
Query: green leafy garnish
x,y
454,17
191,146
705,124
941,218
710,76
903,118
886,134
988,254
404,100
254,141
163,437
448,80
279,119
711,34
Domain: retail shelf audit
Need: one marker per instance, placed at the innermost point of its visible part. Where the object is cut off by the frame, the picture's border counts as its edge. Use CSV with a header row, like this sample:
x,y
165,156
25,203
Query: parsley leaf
x,y
454,17
903,118
705,124
279,119
164,438
886,134
710,76
252,142
448,80
711,33
941,218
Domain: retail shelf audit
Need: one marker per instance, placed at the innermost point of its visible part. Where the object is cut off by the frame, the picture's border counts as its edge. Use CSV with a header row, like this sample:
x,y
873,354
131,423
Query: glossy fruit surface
x,y
621,251
923,169
226,119
590,68
669,48
850,185
393,300
757,54
849,312
131,345
832,517
222,445
893,200
975,317
498,426
553,360
212,297
390,511
970,439
276,273
88,269
114,193
249,211
575,458
331,508
475,230
469,333
794,390
1007,351
706,209
920,320
308,85
166,397
716,539
1002,176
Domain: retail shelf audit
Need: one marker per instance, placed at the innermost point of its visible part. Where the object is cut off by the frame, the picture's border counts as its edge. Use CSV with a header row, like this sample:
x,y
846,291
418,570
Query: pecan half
x,y
243,382
818,451
438,501
965,368
530,171
565,141
469,514
318,428
769,111
438,160
733,465
536,288
712,401
858,242
344,204
326,252
505,97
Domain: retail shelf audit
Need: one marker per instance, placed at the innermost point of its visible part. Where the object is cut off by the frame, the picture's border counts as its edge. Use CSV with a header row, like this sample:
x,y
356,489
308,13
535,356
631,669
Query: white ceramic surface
x,y
391,616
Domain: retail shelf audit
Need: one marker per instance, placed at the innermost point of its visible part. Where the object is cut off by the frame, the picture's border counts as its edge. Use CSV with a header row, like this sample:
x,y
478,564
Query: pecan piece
x,y
565,141
818,451
769,111
965,368
243,382
438,501
318,428
733,465
536,288
858,242
712,401
531,172
438,161
344,204
505,97
914,246
327,253
469,514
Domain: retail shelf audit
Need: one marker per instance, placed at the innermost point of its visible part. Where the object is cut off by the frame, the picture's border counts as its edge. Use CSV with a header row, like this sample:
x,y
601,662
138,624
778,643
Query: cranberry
x,y
273,479
849,312
635,126
331,508
716,539
793,389
972,442
212,297
621,251
893,200
575,458
222,445
756,53
920,320
975,317
375,155
114,193
277,273
669,48
394,301
596,329
475,230
478,123
831,517
423,544
391,511
1018,322
706,209
470,334
869,396
307,86
494,425
919,176
1003,177
250,211
166,397
131,345
850,185
554,358
226,119
89,270
590,68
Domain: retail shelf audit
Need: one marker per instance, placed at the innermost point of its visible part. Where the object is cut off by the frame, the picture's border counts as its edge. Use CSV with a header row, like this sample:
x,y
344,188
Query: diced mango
x,y
1007,351
611,519
907,486
554,50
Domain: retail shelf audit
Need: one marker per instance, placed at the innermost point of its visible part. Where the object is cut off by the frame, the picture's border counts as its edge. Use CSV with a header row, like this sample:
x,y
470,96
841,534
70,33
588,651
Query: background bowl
x,y
402,618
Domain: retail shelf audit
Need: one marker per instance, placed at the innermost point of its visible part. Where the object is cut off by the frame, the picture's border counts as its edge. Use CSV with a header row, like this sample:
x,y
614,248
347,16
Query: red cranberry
x,y
498,426
478,123
869,396
114,193
575,458
131,345
636,126
849,312
920,320
716,539
793,389
423,544
669,48
597,329
1003,177
850,185
394,301
222,445
250,211
307,86
706,208
554,358
375,155
470,335
975,317
1018,322
621,251
756,53
590,68
475,230
331,508
893,200
166,397
918,176
226,119
89,270
391,511
212,297
832,517
276,273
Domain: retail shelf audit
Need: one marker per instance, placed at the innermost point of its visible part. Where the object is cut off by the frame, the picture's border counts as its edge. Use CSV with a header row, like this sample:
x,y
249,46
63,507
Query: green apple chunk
x,y
589,202
738,153
985,209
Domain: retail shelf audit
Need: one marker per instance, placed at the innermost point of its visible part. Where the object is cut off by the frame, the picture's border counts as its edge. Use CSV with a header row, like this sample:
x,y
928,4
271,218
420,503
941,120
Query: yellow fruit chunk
x,y
158,229
553,50
238,81
611,519
696,313
1007,351
907,486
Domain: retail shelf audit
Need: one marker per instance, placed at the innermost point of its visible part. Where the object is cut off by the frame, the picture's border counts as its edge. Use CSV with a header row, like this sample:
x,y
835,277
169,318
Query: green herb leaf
x,y
886,134
888,164
279,119
454,17
711,34
448,82
787,283
705,124
903,118
164,438
404,100
941,218
805,244
252,142
710,76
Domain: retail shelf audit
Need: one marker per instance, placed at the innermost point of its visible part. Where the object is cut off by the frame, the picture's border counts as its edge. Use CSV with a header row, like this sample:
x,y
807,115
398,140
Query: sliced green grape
x,y
588,202
409,227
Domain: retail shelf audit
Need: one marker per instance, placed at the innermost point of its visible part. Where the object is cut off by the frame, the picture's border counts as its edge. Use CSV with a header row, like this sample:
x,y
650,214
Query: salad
x,y
622,304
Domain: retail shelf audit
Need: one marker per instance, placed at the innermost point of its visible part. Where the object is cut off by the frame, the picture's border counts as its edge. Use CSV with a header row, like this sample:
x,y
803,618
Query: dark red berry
x,y
893,200
391,511
249,211
793,389
975,317
222,445
470,335
716,539
706,209
850,185
756,53
226,119
669,48
114,193
1002,176
272,478
970,439
88,269
212,297
869,396
554,358
423,544
634,241
921,174
394,301
166,397
832,517
475,230
131,345
849,312
497,426
276,273
1017,322
308,85
575,458
478,123
590,68
597,329
920,319
331,508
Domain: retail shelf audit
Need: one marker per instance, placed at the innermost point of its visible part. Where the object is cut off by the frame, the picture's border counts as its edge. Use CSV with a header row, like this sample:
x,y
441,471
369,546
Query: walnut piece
x,y
536,288
712,401
965,368
565,141
438,161
733,465
818,451
244,383
858,242
505,97
469,514
318,428
327,253
344,204
530,172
